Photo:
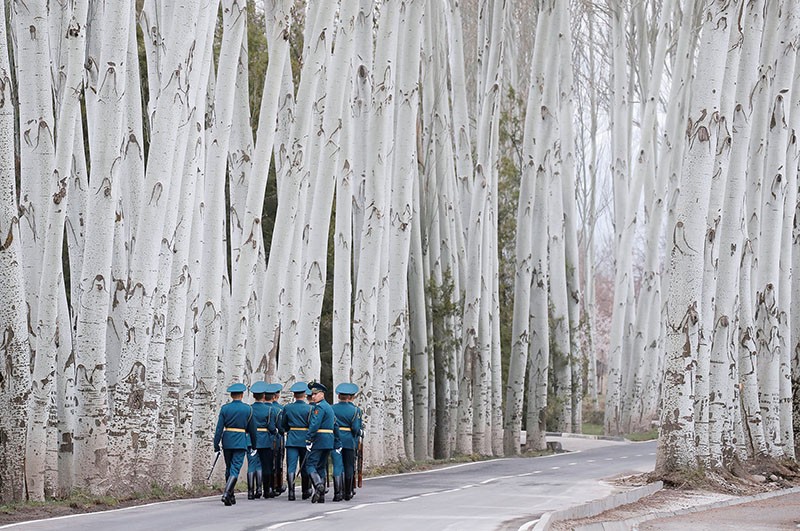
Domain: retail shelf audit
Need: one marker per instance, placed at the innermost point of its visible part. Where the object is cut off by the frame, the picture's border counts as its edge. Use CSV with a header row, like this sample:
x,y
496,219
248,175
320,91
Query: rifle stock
x,y
277,454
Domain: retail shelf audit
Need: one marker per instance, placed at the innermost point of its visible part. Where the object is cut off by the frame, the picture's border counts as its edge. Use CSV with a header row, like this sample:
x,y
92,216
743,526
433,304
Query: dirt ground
x,y
780,512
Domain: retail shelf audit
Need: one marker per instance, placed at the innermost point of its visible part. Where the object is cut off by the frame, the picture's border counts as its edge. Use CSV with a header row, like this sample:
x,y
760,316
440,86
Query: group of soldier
x,y
308,432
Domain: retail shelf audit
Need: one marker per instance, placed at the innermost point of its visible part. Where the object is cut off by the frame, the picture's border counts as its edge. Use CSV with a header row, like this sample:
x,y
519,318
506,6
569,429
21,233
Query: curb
x,y
582,436
596,507
632,523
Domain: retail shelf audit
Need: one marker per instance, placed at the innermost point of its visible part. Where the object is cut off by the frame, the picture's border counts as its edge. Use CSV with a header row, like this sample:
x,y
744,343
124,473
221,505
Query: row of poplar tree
x,y
140,275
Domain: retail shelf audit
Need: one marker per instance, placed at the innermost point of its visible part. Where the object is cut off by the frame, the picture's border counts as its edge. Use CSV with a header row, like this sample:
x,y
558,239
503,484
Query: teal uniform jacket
x,y
264,423
234,427
348,417
279,417
321,425
294,422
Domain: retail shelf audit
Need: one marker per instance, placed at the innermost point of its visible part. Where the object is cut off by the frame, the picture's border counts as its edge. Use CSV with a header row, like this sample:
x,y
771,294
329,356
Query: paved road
x,y
486,495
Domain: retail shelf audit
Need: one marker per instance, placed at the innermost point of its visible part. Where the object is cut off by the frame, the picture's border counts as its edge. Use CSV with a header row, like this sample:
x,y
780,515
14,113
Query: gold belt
x,y
261,429
239,430
345,429
298,429
324,431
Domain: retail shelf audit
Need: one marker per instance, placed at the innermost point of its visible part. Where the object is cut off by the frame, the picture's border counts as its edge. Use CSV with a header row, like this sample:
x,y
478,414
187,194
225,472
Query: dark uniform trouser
x,y
233,461
233,464
349,458
316,467
265,456
294,456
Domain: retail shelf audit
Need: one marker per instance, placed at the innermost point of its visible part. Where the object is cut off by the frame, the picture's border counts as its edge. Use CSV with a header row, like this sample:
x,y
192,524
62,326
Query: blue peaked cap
x,y
259,387
299,387
274,388
237,388
346,388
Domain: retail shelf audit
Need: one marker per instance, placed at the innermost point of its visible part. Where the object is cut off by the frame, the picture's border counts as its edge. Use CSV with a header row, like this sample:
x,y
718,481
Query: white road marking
x,y
410,498
431,471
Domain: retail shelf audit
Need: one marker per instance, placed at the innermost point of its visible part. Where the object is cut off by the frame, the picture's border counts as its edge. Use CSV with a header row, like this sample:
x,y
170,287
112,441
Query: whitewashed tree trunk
x,y
644,163
96,281
676,448
403,176
366,306
37,142
465,167
568,181
15,383
625,203
774,192
521,333
286,251
329,166
130,388
723,335
475,345
51,288
360,103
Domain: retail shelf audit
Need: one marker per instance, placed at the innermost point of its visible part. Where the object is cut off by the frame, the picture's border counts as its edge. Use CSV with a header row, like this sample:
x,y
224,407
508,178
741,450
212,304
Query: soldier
x,y
320,440
274,484
264,421
348,417
295,425
236,432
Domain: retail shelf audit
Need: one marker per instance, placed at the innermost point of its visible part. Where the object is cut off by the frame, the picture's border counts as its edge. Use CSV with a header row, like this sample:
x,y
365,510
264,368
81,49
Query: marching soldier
x,y
280,444
264,421
295,425
348,417
320,440
236,432
273,441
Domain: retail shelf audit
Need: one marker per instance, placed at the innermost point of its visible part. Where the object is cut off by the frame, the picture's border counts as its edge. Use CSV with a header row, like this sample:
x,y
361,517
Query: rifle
x,y
212,466
305,457
360,460
277,454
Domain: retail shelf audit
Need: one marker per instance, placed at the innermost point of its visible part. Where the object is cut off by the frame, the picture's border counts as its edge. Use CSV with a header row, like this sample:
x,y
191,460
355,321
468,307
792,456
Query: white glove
x,y
253,452
339,451
308,446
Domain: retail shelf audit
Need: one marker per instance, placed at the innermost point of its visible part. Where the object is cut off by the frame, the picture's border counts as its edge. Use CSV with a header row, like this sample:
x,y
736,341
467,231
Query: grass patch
x,y
83,501
649,435
589,428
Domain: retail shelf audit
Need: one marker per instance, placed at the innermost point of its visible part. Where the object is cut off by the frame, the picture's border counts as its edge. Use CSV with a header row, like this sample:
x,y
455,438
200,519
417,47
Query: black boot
x,y
338,488
251,479
319,488
227,495
305,485
348,489
290,482
259,482
269,481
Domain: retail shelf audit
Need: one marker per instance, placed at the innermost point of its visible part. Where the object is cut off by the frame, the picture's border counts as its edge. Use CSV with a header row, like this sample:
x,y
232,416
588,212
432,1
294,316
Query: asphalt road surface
x,y
500,494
